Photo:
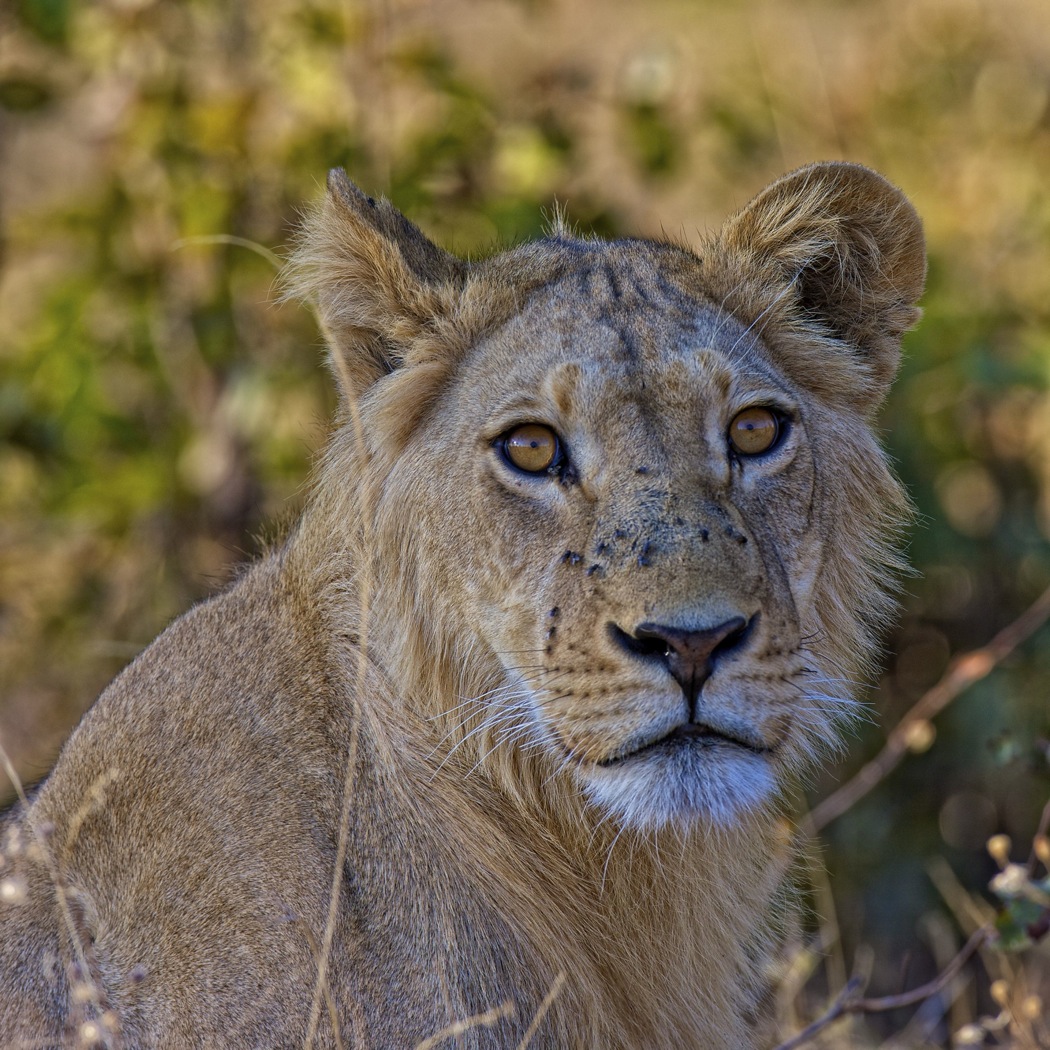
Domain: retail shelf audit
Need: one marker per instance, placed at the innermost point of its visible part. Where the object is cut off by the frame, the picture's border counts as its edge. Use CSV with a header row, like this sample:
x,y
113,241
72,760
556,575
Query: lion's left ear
x,y
846,251
378,283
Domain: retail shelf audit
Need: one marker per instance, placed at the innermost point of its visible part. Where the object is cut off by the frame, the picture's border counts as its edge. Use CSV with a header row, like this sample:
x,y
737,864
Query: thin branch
x,y
930,988
848,1001
833,1013
961,674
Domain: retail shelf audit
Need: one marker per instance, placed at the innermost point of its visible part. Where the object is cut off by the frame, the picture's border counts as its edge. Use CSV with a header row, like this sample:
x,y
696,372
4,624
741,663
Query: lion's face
x,y
636,528
642,573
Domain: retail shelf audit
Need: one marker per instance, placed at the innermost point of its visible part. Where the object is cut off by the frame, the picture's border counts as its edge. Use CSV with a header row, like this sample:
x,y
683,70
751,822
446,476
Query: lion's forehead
x,y
622,349
635,275
635,312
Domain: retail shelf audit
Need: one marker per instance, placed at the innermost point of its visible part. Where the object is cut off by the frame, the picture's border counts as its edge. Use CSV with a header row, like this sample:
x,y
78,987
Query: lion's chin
x,y
709,780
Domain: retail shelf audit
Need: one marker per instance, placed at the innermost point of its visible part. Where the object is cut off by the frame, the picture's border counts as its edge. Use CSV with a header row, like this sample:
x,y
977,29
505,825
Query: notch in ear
x,y
844,251
377,282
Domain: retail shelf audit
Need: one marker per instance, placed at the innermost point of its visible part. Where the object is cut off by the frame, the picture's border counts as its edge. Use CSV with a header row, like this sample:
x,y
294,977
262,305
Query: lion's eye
x,y
532,448
754,431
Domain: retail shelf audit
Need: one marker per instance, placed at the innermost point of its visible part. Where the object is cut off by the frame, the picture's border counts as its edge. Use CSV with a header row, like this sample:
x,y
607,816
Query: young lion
x,y
499,735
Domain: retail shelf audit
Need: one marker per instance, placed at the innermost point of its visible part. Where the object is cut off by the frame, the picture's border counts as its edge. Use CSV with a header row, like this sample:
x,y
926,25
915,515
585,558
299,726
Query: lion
x,y
497,747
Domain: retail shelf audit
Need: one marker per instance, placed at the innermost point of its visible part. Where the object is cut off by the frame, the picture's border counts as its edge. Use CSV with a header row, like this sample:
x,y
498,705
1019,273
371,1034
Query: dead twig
x,y
848,1001
962,672
833,1013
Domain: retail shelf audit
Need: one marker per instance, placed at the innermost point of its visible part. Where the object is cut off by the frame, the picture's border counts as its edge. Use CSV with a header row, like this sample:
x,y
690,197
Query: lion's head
x,y
627,528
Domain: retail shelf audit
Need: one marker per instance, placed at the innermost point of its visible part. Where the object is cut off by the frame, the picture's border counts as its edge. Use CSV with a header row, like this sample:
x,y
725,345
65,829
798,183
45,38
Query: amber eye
x,y
754,431
532,448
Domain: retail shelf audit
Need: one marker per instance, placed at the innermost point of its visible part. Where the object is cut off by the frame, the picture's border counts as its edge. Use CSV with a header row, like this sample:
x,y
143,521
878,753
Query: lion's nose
x,y
689,654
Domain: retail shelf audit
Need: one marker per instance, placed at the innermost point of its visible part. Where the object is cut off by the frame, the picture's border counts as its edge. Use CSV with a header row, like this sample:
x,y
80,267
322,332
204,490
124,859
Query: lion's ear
x,y
376,281
846,250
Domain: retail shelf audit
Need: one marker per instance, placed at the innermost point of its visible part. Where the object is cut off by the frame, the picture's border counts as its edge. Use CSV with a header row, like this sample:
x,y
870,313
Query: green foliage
x,y
48,19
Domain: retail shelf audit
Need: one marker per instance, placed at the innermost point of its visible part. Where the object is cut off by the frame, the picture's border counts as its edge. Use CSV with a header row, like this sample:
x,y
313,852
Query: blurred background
x,y
159,410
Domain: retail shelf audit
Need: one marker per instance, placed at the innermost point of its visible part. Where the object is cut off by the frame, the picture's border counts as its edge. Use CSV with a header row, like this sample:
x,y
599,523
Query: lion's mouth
x,y
689,734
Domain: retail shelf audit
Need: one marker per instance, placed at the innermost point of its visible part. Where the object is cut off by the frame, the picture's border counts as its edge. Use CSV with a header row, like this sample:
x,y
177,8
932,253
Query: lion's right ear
x,y
842,251
376,281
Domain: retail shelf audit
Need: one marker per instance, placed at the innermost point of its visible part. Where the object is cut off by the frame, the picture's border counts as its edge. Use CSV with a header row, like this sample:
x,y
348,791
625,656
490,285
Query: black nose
x,y
688,654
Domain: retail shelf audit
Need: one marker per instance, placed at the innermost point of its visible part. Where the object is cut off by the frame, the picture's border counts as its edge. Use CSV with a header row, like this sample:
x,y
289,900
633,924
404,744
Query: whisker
x,y
608,858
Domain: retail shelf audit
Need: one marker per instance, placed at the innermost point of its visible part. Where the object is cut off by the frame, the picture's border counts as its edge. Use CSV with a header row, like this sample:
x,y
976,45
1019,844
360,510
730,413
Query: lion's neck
x,y
660,936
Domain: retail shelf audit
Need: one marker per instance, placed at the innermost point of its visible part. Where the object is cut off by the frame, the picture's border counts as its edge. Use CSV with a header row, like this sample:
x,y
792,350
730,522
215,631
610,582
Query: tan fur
x,y
425,686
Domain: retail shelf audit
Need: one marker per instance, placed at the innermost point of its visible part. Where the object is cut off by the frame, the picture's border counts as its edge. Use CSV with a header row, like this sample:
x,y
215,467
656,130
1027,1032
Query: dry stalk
x,y
541,1010
364,595
326,991
458,1028
57,882
228,238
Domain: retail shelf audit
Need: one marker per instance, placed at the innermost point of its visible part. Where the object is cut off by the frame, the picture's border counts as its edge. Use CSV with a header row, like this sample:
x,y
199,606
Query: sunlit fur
x,y
446,623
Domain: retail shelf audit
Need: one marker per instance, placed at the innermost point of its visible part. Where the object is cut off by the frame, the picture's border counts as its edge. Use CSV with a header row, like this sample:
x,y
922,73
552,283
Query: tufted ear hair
x,y
377,282
845,251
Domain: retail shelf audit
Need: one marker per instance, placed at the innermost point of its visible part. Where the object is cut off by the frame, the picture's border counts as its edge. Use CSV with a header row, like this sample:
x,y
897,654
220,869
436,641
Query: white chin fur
x,y
714,784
